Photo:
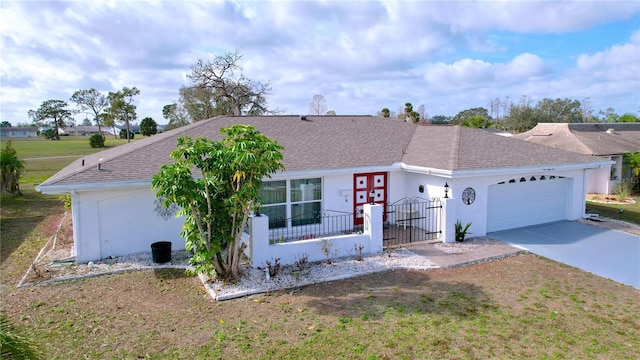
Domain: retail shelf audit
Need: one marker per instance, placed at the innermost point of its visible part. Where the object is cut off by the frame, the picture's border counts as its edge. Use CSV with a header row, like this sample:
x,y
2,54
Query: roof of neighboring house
x,y
85,128
326,143
597,139
19,128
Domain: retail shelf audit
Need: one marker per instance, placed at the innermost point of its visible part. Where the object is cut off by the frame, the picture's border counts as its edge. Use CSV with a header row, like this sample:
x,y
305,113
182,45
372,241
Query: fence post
x,y
259,240
449,220
373,226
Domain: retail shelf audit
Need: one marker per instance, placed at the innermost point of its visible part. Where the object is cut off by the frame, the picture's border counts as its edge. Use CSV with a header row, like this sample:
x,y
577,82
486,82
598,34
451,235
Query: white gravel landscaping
x,y
255,281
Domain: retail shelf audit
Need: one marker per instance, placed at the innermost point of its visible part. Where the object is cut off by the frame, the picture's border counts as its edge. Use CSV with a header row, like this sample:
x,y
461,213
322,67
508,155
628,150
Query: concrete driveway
x,y
607,253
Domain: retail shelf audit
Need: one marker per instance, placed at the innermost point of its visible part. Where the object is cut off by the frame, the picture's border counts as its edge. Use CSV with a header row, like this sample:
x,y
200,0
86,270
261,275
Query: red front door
x,y
362,186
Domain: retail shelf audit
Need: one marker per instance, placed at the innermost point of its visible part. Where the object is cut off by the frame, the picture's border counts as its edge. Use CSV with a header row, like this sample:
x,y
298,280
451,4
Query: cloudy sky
x,y
360,55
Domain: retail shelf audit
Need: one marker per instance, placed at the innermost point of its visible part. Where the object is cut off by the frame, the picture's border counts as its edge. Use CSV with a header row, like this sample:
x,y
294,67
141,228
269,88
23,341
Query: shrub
x,y
14,344
49,134
624,189
123,134
96,141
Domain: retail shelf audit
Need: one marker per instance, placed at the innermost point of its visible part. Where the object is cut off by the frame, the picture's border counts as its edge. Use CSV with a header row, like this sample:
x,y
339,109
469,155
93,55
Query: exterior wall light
x,y
372,196
446,190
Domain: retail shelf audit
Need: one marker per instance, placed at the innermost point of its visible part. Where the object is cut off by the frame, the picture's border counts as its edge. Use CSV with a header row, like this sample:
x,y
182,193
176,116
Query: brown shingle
x,y
590,138
460,148
323,143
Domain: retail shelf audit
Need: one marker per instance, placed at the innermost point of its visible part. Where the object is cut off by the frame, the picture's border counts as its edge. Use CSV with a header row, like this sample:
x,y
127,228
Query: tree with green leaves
x,y
148,127
477,122
631,161
176,114
560,110
5,123
469,113
51,113
217,200
385,112
10,170
628,117
230,87
91,102
122,108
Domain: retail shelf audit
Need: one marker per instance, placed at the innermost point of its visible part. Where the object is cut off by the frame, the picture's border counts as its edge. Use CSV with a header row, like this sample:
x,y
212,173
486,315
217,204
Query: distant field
x,y
37,171
28,148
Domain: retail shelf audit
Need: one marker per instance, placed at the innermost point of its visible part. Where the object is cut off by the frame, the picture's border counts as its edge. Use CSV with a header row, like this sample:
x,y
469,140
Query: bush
x,y
123,134
96,141
624,189
49,134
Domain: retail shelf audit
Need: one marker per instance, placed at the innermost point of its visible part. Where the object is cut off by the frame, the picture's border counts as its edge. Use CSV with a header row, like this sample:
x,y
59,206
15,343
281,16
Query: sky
x,y
361,56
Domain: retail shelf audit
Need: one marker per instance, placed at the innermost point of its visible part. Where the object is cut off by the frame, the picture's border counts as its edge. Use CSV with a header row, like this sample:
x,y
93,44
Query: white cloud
x,y
361,55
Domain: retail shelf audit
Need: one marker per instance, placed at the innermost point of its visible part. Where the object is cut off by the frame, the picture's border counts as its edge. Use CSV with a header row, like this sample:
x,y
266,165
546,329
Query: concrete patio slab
x,y
607,253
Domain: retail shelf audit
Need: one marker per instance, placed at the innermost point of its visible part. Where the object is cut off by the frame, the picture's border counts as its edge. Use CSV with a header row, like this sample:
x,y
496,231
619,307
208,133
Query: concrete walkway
x,y
458,254
607,253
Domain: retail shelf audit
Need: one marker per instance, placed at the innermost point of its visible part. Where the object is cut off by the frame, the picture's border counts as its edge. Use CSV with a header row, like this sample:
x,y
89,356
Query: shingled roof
x,y
321,143
594,139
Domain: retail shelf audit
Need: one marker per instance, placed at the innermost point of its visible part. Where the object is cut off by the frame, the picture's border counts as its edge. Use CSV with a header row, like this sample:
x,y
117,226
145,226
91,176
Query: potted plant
x,y
461,232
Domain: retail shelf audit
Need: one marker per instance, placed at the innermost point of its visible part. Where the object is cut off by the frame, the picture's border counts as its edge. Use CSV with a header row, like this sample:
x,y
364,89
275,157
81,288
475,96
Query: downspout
x,y
75,203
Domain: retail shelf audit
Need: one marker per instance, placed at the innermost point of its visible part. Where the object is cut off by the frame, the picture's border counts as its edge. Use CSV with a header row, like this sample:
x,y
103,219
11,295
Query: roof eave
x,y
466,173
68,188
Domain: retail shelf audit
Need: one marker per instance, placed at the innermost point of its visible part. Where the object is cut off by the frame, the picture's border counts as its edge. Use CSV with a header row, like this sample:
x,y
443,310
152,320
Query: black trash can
x,y
161,251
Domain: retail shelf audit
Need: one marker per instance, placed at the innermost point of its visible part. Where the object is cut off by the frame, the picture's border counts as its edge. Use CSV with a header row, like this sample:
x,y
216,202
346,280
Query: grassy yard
x,y
629,213
67,146
520,307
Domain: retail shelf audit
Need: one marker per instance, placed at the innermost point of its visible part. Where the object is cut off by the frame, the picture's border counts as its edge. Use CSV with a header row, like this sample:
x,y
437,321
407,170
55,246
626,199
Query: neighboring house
x,y
333,163
83,130
607,140
18,131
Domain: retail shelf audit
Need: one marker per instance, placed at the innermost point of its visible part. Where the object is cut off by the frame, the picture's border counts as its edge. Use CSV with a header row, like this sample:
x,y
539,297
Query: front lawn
x,y
625,212
520,307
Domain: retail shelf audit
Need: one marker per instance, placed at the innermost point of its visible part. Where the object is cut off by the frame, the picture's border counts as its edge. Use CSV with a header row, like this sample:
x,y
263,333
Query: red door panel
x,y
362,185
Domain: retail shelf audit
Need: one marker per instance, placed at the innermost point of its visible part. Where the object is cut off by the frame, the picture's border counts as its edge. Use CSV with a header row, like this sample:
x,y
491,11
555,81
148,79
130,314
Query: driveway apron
x,y
607,253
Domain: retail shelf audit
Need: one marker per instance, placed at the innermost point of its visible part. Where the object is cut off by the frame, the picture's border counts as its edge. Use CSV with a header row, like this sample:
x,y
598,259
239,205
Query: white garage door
x,y
527,201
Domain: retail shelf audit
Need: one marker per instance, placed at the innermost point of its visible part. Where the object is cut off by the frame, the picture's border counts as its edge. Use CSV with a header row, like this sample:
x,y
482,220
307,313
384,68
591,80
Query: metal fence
x,y
311,226
412,219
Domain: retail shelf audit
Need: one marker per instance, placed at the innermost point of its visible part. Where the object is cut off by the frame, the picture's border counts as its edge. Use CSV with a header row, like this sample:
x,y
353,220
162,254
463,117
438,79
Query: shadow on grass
x,y
401,292
21,217
170,274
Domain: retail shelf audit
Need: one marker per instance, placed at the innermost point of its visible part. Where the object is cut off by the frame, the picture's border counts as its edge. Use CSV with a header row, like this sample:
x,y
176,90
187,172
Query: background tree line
x,y
516,117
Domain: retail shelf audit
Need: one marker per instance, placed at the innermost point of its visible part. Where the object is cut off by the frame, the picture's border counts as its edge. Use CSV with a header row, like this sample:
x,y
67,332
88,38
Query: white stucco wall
x,y
119,222
476,213
598,181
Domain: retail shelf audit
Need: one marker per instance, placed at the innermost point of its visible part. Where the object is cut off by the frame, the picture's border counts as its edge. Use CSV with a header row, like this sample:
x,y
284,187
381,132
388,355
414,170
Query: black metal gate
x,y
412,219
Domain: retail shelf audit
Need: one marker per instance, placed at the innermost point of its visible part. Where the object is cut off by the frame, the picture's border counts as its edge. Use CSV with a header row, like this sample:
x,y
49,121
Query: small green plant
x,y
96,141
66,201
13,344
461,231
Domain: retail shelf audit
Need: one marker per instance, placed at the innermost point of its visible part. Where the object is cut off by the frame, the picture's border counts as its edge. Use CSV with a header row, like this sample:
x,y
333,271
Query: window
x,y
273,197
306,196
300,200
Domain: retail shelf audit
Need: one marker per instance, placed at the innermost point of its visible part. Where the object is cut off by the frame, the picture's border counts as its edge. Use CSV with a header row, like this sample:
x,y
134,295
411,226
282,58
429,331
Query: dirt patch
x,y
609,199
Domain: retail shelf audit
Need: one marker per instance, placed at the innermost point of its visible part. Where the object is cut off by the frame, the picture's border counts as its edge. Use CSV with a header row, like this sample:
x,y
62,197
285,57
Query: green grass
x,y
27,221
629,213
28,148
